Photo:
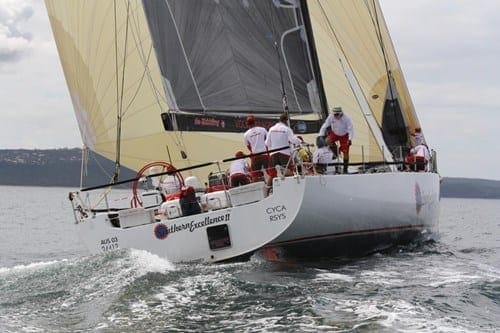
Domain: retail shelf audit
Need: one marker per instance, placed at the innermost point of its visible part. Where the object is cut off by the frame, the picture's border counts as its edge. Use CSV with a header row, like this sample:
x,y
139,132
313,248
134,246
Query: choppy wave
x,y
63,295
136,291
452,285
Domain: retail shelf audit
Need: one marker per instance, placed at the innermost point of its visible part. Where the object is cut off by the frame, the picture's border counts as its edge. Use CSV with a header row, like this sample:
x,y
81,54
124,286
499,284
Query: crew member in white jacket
x,y
419,158
322,157
280,135
255,140
239,171
341,131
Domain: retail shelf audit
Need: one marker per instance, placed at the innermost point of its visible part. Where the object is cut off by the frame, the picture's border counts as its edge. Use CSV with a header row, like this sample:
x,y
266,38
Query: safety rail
x,y
366,164
82,207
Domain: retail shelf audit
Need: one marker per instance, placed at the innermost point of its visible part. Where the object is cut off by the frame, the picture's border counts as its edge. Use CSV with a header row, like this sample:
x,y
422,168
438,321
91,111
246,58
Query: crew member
x,y
418,158
254,139
170,183
341,131
418,136
322,157
280,135
239,171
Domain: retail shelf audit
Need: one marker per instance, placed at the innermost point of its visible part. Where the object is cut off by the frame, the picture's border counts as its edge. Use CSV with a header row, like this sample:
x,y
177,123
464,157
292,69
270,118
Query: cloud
x,y
448,49
14,42
36,110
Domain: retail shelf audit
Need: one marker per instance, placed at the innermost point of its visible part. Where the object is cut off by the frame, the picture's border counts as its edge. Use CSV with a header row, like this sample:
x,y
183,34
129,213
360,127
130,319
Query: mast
x,y
283,93
284,98
304,10
119,94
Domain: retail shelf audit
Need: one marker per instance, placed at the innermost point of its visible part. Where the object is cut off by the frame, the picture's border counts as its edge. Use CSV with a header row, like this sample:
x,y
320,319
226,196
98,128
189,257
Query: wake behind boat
x,y
172,81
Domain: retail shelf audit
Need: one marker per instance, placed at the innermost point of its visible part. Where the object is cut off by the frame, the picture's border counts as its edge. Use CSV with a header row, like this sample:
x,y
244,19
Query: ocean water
x,y
49,283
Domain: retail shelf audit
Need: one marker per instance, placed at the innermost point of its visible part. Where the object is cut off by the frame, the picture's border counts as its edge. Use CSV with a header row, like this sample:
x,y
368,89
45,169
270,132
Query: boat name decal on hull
x,y
193,225
276,213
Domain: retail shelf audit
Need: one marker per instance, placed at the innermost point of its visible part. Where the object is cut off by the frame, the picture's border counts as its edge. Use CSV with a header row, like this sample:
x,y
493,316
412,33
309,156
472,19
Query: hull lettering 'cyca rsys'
x,y
164,88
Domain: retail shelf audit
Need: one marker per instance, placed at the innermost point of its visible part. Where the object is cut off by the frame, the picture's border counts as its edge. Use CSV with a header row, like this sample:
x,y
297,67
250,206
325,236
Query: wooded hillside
x,y
61,167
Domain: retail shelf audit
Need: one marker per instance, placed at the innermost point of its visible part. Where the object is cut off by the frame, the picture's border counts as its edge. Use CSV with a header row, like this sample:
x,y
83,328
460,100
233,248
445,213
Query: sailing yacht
x,y
164,87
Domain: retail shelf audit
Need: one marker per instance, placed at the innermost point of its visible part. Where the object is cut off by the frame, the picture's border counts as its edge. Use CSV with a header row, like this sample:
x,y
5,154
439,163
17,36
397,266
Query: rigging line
x,y
145,60
181,169
390,78
99,48
117,143
335,41
99,165
314,62
340,47
84,165
119,100
185,54
381,143
139,85
181,142
147,73
283,93
333,33
308,42
282,42
382,47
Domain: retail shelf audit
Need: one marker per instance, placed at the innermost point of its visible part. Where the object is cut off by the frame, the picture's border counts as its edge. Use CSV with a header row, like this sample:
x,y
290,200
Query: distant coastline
x,y
61,168
470,188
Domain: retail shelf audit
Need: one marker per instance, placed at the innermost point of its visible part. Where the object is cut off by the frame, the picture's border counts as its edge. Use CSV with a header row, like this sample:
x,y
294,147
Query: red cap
x,y
250,119
239,153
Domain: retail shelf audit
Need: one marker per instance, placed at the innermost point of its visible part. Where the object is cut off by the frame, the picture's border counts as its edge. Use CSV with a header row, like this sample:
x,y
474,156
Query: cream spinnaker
x,y
111,68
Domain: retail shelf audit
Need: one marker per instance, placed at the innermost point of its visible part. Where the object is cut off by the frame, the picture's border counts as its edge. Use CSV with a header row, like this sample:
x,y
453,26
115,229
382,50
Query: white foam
x,y
147,262
185,291
333,277
388,278
399,315
489,273
30,267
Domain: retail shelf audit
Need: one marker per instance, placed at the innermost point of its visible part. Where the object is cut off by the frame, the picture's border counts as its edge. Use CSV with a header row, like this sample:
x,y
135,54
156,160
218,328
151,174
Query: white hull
x,y
249,227
352,214
304,217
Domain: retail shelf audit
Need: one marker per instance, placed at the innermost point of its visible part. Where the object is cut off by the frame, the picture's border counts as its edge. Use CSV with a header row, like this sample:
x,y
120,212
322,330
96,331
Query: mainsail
x,y
170,76
221,56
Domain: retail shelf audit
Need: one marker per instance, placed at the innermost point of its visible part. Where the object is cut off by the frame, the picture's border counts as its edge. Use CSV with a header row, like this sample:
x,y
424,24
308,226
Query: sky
x,y
449,51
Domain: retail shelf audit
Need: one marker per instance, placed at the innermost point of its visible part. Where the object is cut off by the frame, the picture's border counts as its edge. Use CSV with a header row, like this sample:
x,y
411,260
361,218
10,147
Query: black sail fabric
x,y
221,56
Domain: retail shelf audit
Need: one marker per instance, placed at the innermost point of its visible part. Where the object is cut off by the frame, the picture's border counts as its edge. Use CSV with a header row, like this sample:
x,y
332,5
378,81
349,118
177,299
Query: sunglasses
x,y
336,114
